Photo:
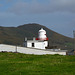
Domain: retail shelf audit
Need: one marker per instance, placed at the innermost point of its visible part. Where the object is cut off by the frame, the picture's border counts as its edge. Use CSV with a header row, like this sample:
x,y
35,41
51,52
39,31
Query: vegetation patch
x,y
24,64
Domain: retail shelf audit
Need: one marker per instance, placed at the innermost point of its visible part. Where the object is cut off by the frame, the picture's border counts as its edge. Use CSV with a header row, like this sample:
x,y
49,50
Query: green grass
x,y
22,64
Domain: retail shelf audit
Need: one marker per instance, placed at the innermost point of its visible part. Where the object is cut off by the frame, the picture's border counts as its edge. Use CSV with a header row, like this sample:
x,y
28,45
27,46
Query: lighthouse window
x,y
32,44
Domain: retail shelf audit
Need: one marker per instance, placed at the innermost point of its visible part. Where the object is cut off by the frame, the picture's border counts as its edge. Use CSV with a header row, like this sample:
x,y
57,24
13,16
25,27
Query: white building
x,y
11,48
40,43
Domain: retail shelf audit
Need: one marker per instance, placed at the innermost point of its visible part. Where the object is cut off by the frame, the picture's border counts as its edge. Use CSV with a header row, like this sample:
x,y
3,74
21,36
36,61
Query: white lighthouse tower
x,y
40,43
42,35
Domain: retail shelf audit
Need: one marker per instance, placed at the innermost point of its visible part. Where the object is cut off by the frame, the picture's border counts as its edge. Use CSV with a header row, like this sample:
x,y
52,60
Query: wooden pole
x,y
16,49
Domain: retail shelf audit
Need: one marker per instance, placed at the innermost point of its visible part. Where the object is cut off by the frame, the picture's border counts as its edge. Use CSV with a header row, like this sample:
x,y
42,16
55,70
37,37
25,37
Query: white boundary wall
x,y
10,48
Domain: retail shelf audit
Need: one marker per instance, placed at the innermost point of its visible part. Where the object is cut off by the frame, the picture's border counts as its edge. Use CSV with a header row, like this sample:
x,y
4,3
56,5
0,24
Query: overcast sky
x,y
57,15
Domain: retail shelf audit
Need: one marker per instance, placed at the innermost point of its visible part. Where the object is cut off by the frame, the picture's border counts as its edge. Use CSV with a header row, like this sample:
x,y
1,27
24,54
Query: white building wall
x,y
46,43
39,45
10,48
29,44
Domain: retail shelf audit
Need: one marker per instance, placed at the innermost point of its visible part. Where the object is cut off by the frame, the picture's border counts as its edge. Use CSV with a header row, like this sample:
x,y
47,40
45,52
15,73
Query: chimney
x,y
25,39
34,38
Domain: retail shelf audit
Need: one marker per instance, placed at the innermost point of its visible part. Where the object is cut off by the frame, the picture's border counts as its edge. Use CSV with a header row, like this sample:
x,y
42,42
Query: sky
x,y
57,15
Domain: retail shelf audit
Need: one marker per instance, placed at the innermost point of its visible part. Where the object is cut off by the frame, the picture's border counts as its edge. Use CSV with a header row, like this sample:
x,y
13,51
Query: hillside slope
x,y
15,35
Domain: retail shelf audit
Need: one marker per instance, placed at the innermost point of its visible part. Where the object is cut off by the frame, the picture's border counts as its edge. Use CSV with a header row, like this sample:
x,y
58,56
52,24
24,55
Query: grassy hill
x,y
21,64
15,35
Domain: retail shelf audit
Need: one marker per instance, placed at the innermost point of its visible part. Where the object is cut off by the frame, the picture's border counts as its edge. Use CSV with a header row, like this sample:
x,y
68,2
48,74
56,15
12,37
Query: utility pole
x,y
74,38
16,49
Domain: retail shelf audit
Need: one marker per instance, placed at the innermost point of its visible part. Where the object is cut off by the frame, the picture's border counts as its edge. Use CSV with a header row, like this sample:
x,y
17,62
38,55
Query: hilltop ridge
x,y
15,35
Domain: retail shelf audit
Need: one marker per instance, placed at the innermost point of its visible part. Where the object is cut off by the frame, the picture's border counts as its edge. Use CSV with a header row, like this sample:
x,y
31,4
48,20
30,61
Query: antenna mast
x,y
74,38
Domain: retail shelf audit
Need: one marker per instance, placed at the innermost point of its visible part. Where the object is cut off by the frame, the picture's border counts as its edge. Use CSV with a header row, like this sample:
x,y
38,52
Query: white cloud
x,y
37,7
63,5
23,7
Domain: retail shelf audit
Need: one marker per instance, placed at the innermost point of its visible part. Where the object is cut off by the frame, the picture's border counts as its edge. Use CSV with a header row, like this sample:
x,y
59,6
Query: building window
x,y
32,44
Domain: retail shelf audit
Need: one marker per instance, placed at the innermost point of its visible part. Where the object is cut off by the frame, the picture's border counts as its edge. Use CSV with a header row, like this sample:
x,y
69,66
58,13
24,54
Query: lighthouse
x,y
42,35
39,43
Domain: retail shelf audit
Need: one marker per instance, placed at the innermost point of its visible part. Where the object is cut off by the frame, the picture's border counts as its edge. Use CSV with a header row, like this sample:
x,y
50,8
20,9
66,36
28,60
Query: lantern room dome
x,y
42,30
42,34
